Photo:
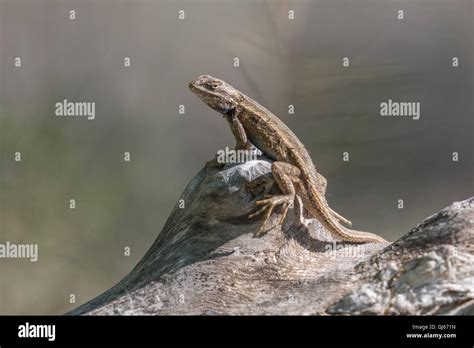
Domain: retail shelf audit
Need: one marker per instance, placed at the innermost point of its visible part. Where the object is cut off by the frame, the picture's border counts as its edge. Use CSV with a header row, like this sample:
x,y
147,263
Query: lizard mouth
x,y
201,92
194,88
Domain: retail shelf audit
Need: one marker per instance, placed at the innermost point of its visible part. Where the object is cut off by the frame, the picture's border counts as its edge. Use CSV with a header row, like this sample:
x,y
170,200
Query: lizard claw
x,y
268,205
260,232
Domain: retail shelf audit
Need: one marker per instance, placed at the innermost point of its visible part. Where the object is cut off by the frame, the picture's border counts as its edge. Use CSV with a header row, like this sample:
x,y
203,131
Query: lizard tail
x,y
319,208
358,236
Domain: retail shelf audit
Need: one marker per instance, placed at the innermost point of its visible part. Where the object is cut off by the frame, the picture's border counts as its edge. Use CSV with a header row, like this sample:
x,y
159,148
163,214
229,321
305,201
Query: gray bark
x,y
206,261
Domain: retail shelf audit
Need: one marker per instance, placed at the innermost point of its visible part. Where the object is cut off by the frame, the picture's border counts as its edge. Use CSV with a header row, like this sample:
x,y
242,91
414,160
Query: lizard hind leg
x,y
284,175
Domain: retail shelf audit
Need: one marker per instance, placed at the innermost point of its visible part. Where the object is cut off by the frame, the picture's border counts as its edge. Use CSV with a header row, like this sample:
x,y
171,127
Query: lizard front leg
x,y
240,136
241,140
285,175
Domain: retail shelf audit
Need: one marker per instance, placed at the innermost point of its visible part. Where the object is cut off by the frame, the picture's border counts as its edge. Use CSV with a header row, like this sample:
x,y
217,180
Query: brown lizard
x,y
292,169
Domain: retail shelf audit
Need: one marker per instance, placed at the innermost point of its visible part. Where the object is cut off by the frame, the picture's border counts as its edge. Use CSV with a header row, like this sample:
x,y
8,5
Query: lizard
x,y
292,168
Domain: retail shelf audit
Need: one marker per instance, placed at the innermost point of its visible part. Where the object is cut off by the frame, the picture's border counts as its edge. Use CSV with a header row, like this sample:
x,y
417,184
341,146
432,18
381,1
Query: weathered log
x,y
206,261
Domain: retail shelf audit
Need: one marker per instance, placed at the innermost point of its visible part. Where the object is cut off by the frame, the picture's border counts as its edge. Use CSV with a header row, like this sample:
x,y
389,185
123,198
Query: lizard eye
x,y
213,85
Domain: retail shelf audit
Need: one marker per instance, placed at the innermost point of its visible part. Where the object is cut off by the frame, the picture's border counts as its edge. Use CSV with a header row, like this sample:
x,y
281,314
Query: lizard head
x,y
216,93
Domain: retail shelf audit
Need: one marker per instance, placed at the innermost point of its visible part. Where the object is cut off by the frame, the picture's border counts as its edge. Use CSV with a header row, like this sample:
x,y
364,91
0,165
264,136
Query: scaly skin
x,y
251,123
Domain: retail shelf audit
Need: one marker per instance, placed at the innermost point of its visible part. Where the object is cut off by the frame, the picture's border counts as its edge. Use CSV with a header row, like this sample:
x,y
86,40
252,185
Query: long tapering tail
x,y
319,208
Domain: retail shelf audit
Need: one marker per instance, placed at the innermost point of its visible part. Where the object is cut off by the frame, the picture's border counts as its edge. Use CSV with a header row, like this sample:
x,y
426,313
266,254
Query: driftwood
x,y
206,261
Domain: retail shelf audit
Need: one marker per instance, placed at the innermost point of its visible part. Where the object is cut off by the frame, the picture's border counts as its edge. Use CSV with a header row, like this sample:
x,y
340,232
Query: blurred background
x,y
125,204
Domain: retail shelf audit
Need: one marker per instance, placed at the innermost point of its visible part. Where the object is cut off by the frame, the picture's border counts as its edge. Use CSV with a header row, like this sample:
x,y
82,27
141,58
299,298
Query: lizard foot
x,y
268,205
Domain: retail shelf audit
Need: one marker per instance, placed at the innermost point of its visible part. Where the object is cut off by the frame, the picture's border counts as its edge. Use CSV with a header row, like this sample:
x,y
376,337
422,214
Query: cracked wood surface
x,y
206,261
